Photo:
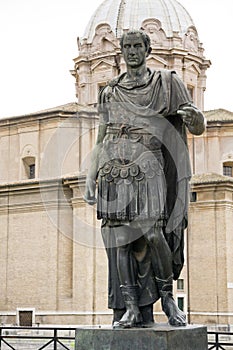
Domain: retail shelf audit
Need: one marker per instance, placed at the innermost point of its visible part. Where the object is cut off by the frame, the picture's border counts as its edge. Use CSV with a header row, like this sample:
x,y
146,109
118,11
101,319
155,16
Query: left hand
x,y
188,114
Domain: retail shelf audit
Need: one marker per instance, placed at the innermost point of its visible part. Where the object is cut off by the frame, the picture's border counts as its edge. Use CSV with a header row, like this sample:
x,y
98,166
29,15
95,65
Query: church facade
x,y
53,264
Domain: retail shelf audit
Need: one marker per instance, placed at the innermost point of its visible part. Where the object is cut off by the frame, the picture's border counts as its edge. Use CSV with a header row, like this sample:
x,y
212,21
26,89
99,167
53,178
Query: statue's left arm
x,y
181,104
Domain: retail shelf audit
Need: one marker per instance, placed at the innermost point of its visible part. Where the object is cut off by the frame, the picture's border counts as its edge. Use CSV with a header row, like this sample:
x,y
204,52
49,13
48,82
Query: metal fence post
x,y
55,338
217,344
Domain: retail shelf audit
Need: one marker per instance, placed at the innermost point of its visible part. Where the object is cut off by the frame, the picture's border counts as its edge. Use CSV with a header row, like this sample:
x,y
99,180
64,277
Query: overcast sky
x,y
38,43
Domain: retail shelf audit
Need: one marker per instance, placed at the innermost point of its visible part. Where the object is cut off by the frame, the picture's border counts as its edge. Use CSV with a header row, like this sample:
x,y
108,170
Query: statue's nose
x,y
132,52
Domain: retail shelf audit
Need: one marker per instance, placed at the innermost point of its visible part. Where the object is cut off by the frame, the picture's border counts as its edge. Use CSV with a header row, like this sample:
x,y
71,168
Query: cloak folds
x,y
151,106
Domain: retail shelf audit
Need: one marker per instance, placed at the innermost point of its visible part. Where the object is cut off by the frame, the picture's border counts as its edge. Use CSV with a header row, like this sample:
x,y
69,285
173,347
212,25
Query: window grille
x,y
227,170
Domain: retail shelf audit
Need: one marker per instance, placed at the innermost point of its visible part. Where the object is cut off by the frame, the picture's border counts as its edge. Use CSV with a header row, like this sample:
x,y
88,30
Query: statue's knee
x,y
123,236
122,242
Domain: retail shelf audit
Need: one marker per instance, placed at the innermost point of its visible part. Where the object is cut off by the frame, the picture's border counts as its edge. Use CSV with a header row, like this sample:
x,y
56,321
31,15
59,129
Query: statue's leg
x,y
162,265
145,272
127,275
125,264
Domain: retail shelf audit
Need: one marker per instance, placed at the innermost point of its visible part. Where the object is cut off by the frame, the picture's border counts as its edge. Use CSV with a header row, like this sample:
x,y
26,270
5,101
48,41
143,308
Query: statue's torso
x,y
131,179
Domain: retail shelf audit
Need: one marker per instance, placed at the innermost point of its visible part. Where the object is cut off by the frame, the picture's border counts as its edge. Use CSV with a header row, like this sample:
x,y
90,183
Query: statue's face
x,y
134,50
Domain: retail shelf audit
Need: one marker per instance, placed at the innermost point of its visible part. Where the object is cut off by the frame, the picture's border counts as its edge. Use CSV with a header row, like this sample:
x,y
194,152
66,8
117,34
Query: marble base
x,y
159,337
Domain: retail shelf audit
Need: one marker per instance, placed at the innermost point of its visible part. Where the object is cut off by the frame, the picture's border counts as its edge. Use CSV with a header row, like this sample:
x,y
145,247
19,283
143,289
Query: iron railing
x,y
220,340
50,338
15,338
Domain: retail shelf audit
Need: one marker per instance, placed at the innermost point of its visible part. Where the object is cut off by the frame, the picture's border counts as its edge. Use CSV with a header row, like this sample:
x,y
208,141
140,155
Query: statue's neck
x,y
139,73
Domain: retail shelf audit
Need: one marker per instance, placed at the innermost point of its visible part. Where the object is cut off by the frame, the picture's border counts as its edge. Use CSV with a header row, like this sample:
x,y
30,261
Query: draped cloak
x,y
149,108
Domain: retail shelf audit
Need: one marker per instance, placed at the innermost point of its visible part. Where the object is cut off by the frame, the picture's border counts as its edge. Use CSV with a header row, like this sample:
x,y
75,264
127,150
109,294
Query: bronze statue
x,y
142,167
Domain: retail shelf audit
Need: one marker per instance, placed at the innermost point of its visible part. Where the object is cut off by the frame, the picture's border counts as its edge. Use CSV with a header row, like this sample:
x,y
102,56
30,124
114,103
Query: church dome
x,y
129,14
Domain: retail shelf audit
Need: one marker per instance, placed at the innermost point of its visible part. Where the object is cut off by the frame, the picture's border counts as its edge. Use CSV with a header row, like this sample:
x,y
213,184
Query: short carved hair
x,y
145,38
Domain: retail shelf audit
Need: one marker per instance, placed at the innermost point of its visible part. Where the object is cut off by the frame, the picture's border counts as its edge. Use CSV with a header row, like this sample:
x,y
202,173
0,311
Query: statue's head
x,y
136,33
135,47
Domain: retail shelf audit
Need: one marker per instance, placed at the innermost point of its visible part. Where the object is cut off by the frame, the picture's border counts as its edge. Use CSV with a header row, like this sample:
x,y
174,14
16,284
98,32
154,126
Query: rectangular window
x,y
191,91
180,284
227,170
180,302
25,318
32,169
193,197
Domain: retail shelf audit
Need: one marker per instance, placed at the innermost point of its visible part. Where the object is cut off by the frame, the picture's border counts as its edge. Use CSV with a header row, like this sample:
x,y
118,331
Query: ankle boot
x,y
165,287
175,316
132,317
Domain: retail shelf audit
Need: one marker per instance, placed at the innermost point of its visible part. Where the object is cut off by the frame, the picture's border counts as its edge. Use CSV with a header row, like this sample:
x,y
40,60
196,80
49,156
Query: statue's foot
x,y
131,318
175,316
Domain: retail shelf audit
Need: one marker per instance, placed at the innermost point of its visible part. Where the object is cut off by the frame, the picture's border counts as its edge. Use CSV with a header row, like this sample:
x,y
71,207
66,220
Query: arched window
x,y
228,169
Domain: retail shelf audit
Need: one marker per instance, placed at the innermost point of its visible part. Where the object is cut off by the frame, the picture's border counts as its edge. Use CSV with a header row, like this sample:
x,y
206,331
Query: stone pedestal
x,y
160,337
